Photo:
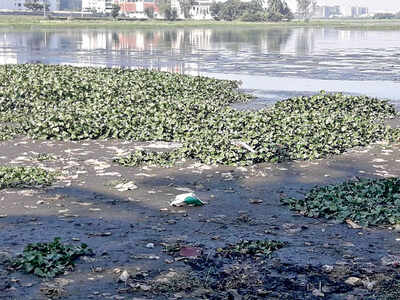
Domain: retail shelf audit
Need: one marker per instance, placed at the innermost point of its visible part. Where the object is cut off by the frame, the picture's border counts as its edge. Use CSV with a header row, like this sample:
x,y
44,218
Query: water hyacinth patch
x,y
364,201
71,103
48,260
21,177
141,157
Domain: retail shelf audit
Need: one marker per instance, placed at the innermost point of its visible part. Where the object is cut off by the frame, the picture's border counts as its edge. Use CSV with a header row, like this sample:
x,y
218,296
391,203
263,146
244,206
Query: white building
x,y
354,11
175,5
12,4
19,4
200,9
53,4
99,6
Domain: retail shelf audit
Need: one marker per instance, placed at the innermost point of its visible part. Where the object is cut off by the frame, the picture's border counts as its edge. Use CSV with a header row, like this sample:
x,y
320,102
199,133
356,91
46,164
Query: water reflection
x,y
315,53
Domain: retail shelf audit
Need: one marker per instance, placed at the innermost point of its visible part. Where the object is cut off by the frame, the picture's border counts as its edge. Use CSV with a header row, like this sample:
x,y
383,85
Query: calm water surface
x,y
273,63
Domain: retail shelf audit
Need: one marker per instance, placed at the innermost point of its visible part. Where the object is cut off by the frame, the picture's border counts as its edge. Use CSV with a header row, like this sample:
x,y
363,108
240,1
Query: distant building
x,y
75,5
179,10
327,11
200,9
98,6
354,11
19,4
12,4
137,8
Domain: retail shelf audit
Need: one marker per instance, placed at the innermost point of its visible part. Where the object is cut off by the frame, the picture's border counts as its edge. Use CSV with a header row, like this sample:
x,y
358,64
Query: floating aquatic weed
x,y
74,103
20,177
44,157
141,157
49,259
364,201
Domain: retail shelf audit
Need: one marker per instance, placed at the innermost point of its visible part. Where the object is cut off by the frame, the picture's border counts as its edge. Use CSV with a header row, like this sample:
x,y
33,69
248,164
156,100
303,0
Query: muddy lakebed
x,y
84,206
243,243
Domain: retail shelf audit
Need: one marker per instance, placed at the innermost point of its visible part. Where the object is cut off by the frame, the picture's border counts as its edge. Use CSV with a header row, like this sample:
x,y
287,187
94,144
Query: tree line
x,y
253,11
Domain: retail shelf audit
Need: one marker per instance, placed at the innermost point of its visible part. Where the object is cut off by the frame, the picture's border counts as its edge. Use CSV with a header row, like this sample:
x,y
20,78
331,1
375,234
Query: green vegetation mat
x,y
49,259
364,201
73,103
20,177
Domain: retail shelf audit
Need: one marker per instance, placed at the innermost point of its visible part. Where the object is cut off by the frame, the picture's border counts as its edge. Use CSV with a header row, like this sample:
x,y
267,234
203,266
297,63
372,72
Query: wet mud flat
x,y
134,229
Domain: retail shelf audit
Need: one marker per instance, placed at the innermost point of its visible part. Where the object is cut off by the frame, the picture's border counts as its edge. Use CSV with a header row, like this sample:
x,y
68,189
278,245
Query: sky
x,y
373,5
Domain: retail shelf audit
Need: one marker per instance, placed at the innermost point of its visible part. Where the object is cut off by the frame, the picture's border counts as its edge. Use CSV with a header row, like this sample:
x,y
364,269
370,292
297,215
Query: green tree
x,y
149,11
164,7
278,10
215,10
305,8
186,5
230,10
35,5
115,10
254,17
171,14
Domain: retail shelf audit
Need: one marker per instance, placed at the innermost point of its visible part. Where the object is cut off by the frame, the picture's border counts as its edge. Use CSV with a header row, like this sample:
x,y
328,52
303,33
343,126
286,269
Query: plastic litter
x,y
243,145
187,199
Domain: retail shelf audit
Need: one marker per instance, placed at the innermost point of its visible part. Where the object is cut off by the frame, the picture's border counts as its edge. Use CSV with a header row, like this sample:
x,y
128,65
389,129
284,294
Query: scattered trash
x,y
391,260
184,189
122,187
190,252
100,234
150,245
243,145
124,276
353,224
144,256
187,199
318,293
327,268
353,281
369,285
255,201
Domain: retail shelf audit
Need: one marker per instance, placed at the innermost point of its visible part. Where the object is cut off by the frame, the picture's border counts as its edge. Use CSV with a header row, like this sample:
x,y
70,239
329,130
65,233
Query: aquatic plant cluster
x,y
49,259
76,103
365,201
19,177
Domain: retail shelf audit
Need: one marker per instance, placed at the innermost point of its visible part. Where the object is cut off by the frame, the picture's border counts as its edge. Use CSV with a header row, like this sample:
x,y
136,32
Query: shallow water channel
x,y
273,62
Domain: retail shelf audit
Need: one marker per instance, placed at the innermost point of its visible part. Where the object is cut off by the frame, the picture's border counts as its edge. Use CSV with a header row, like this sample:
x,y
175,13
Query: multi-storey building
x,y
137,8
98,6
12,4
71,5
19,4
355,11
199,10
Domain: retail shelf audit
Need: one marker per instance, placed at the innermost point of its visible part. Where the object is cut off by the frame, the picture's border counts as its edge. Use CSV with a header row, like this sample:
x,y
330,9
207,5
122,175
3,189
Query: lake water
x,y
273,63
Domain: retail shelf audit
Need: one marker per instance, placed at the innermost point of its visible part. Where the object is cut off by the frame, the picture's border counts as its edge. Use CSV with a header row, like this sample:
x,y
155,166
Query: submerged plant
x,y
20,177
364,201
